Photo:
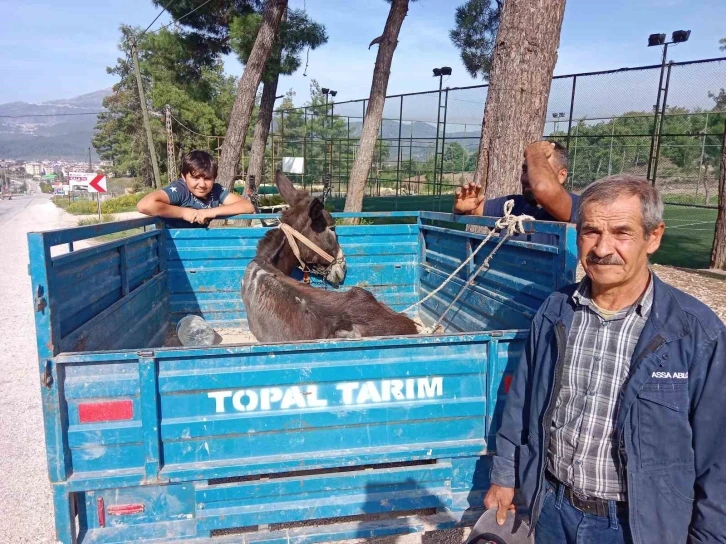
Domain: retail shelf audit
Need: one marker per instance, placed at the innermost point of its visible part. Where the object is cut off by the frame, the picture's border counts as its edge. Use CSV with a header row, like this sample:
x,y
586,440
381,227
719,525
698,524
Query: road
x,y
26,510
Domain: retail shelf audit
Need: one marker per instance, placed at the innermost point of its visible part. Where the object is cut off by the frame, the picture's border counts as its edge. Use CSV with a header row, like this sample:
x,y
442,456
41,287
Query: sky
x,y
52,50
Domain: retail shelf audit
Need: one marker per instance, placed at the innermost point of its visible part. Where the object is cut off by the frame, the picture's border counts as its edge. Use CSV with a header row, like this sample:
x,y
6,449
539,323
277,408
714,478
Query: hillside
x,y
54,136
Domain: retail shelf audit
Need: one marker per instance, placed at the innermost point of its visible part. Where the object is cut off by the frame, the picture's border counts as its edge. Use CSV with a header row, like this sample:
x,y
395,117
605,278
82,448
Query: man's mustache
x,y
605,260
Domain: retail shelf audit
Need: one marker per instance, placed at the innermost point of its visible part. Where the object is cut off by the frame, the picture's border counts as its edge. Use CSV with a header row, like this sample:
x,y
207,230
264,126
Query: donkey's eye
x,y
332,227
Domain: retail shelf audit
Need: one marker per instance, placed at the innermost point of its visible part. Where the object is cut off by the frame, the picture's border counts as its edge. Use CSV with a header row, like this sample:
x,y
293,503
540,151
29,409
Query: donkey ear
x,y
288,192
317,218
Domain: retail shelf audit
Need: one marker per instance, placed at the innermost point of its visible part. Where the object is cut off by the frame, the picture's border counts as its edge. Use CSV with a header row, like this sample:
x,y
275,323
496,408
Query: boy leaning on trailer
x,y
194,199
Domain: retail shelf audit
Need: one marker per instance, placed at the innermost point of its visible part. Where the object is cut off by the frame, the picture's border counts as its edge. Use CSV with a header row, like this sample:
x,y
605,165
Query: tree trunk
x,y
262,129
246,90
374,112
519,86
718,252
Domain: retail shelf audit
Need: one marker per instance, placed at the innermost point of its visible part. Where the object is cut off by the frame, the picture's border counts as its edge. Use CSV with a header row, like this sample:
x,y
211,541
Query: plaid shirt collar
x,y
582,297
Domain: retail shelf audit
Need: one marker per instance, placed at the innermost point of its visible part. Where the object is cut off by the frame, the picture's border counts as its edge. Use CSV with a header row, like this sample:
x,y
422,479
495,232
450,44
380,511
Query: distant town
x,y
52,176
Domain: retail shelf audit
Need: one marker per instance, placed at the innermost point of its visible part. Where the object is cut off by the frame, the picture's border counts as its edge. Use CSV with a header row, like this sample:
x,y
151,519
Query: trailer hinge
x,y
40,303
48,375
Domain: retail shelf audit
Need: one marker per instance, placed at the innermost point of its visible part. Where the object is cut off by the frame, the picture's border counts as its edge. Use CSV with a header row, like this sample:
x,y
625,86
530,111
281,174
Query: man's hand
x,y
468,198
500,498
540,148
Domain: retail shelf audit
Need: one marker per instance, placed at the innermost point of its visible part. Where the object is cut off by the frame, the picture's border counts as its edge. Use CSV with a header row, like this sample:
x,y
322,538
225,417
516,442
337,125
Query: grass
x,y
119,204
688,237
108,218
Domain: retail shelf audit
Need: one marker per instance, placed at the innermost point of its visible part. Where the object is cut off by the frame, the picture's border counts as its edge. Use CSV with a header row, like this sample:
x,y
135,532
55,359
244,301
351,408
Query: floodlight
x,y
325,91
437,72
656,39
680,36
445,71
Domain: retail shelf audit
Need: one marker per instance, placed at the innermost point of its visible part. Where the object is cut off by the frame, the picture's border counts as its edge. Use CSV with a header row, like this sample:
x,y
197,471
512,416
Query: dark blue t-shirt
x,y
495,208
180,195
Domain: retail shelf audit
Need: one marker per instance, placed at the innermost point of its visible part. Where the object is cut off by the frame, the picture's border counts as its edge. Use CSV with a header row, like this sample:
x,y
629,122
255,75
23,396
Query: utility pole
x,y
145,115
171,163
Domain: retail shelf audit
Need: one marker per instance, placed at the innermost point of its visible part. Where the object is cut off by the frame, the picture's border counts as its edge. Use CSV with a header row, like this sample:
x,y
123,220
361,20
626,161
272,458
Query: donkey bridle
x,y
293,236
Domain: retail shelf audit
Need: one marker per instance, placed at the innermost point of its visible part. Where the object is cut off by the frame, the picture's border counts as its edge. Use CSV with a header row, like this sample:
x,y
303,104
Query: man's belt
x,y
587,505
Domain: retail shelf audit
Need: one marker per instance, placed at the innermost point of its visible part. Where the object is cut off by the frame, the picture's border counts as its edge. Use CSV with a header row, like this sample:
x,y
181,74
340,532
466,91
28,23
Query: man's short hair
x,y
560,153
199,164
609,189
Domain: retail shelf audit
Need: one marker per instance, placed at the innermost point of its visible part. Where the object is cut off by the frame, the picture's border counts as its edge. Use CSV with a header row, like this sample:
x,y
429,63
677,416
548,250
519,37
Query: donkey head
x,y
308,216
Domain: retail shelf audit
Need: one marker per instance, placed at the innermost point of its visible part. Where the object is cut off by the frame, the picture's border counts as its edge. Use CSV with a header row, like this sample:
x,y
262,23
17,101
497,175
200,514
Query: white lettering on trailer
x,y
350,393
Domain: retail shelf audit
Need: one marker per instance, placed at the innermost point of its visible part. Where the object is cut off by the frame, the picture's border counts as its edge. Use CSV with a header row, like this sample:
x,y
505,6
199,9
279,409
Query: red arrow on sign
x,y
98,183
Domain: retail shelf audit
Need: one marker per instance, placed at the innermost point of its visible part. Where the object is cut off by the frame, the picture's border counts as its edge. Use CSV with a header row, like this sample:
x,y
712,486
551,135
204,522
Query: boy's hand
x,y
190,215
206,215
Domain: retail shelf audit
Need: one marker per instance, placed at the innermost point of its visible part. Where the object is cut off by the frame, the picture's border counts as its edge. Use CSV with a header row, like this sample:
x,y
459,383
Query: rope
x,y
291,234
513,224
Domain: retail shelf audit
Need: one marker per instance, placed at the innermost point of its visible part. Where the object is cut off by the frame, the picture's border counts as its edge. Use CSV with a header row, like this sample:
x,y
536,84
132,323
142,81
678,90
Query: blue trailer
x,y
290,442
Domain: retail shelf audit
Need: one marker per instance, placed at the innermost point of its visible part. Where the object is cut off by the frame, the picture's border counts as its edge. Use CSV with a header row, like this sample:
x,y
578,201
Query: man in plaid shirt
x,y
614,429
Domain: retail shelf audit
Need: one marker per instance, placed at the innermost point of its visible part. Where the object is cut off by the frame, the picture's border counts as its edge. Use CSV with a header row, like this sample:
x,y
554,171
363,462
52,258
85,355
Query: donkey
x,y
281,309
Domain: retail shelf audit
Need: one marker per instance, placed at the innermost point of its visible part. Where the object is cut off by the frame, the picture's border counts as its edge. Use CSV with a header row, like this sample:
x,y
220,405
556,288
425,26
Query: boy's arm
x,y
231,204
157,204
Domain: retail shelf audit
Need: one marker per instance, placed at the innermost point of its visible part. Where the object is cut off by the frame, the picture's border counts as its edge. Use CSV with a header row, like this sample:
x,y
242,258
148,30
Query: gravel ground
x,y
26,511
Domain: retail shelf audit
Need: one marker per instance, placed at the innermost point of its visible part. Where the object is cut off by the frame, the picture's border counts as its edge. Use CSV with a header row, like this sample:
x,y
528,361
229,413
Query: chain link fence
x,y
611,122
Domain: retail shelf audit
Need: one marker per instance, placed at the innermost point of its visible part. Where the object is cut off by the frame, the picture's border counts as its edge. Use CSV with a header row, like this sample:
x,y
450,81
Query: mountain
x,y
418,137
54,135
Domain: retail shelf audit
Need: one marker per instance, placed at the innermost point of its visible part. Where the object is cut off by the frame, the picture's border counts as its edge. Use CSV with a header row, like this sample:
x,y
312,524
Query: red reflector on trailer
x,y
125,509
101,512
507,383
116,410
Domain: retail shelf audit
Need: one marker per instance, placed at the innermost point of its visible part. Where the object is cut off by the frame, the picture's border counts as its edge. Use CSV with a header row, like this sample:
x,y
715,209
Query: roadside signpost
x,y
93,183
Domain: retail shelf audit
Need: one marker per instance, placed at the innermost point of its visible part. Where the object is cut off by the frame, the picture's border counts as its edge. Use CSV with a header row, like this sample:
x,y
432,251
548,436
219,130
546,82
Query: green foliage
x,y
297,33
124,203
82,207
94,220
475,34
46,187
178,71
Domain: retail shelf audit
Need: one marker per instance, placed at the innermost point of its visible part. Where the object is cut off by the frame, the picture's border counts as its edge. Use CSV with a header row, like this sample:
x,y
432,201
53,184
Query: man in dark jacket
x,y
614,428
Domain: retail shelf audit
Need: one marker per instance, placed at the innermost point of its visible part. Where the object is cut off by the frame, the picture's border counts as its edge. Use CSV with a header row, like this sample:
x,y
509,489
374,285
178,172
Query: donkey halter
x,y
293,237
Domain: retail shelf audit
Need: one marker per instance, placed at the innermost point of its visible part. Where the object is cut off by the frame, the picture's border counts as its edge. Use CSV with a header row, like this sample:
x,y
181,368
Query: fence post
x,y
572,109
662,120
305,144
443,148
399,153
655,116
703,152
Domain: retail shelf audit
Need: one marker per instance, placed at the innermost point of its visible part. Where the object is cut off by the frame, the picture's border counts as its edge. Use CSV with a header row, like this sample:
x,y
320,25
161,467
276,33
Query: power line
x,y
193,131
51,115
163,9
183,16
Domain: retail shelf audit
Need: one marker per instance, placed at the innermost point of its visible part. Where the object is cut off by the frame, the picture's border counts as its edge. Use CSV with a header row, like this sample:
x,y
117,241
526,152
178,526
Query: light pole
x,y
332,93
440,73
557,115
655,40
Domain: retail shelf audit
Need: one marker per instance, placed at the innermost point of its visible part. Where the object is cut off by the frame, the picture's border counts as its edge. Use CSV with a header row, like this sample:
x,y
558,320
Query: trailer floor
x,y
224,337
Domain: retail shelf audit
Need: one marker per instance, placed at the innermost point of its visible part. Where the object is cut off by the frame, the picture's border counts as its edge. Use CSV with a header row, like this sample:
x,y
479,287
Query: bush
x,y
124,203
61,201
82,207
46,187
94,220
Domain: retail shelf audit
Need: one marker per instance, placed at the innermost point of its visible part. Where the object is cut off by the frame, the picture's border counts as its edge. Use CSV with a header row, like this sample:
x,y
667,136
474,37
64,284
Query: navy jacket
x,y
671,424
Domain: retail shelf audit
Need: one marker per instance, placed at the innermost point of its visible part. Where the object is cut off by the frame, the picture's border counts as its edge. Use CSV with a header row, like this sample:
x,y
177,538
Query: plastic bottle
x,y
192,330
